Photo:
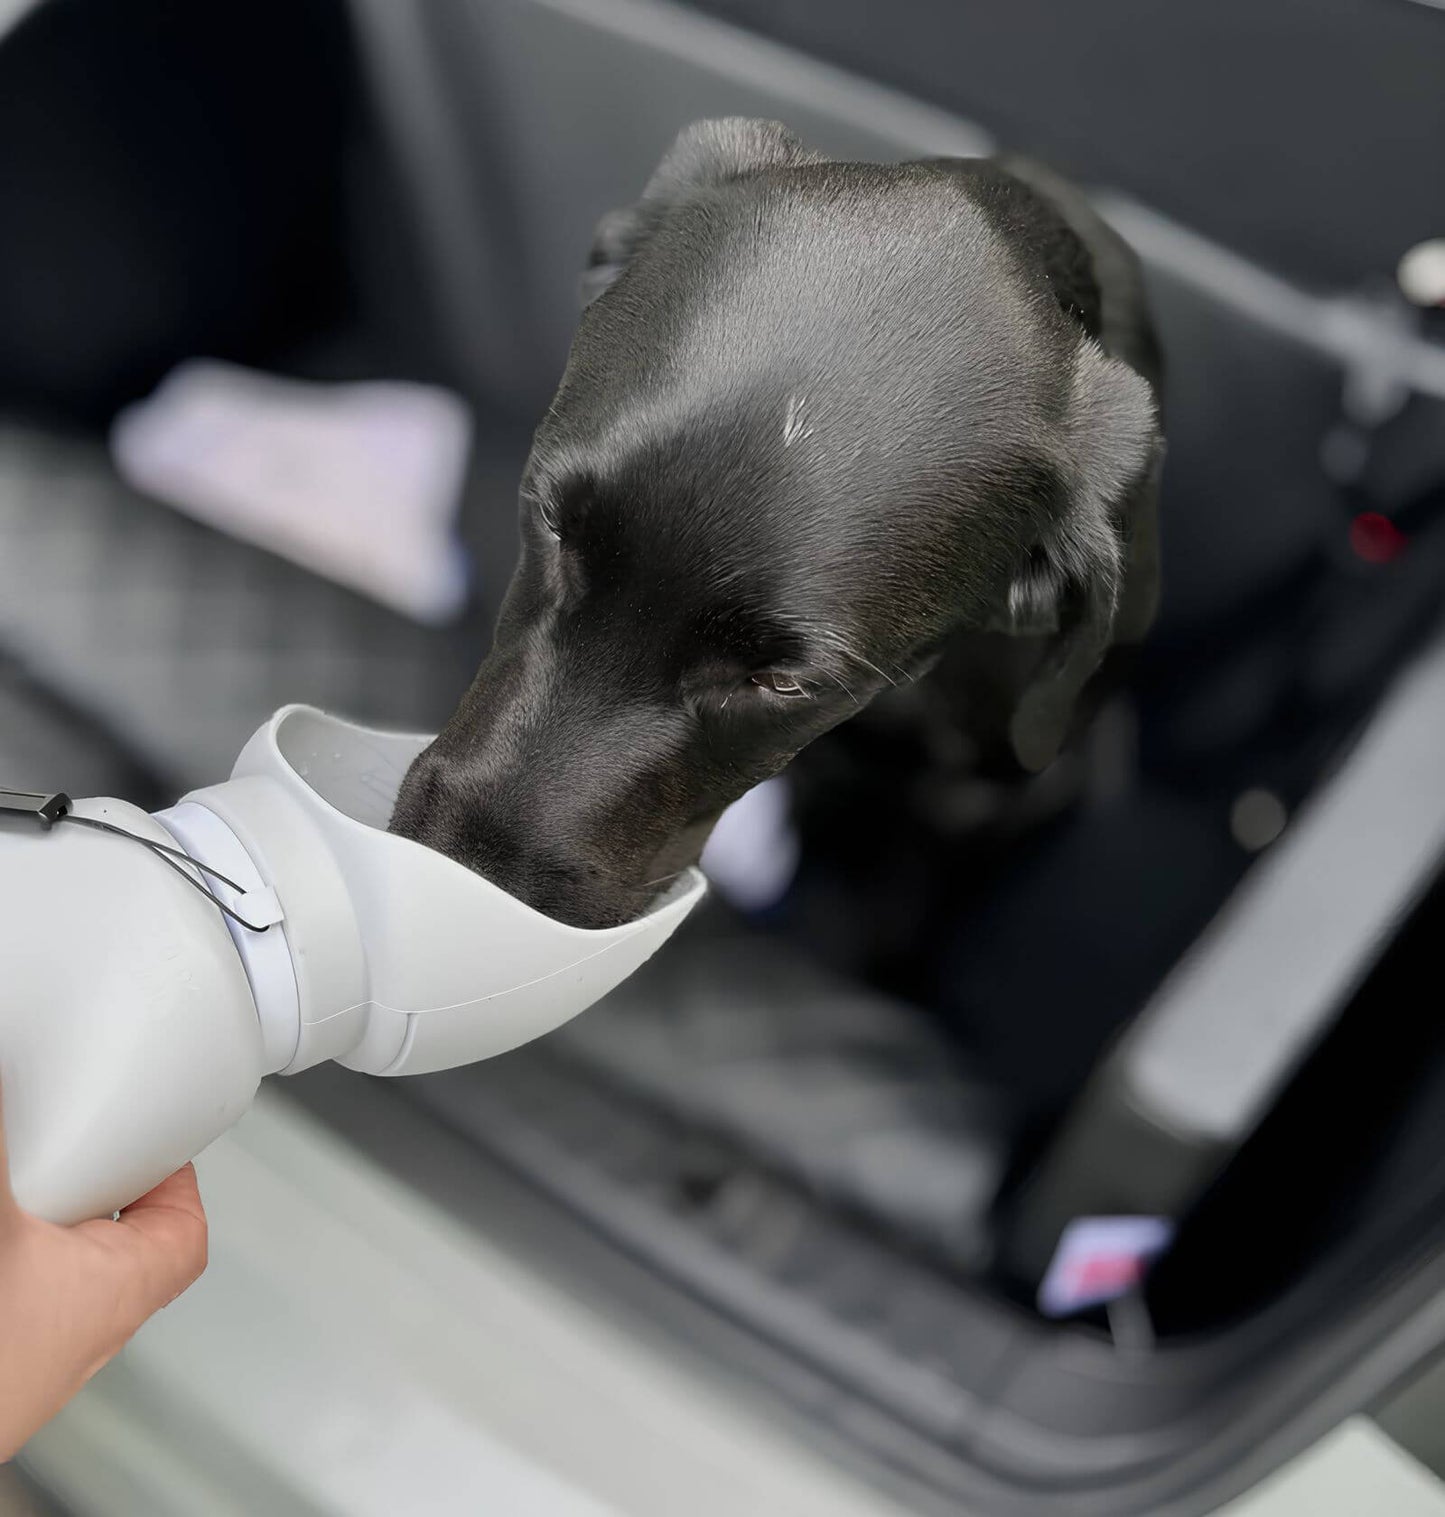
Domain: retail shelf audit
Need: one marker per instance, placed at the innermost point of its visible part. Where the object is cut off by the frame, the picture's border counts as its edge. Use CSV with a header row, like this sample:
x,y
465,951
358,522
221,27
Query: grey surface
x,y
353,1351
1415,1417
1356,1471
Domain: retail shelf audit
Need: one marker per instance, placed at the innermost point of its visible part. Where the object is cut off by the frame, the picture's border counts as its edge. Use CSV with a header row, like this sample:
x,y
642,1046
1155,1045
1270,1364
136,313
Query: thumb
x,y
9,1211
158,1244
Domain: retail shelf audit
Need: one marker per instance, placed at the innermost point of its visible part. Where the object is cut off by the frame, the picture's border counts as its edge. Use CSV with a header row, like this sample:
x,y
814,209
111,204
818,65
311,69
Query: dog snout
x,y
550,875
568,889
424,802
496,836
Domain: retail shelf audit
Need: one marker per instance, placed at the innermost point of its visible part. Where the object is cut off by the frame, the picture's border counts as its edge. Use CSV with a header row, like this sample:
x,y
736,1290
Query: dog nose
x,y
498,836
559,884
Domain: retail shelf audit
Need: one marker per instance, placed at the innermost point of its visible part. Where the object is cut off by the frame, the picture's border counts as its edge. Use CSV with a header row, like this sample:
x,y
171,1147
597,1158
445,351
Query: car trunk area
x,y
828,1144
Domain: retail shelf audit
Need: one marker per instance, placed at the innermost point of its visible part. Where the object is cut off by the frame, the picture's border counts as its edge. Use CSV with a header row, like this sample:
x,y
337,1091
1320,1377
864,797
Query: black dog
x,y
826,428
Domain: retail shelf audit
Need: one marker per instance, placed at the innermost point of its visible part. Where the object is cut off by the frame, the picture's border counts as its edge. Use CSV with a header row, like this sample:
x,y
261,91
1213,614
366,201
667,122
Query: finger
x,y
178,1192
158,1244
9,1211
169,1222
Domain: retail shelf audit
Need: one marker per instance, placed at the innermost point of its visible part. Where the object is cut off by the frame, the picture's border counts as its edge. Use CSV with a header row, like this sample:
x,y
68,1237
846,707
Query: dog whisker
x,y
843,647
869,664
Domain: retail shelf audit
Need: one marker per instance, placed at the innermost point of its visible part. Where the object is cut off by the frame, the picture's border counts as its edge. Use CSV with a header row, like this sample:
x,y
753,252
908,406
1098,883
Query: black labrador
x,y
826,428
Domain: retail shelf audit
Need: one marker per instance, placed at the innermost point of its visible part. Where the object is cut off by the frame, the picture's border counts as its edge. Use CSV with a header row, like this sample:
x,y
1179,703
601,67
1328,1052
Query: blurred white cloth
x,y
752,854
357,482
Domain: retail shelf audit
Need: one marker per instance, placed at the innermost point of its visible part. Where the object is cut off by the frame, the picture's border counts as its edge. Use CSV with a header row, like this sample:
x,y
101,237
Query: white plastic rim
x,y
266,956
469,970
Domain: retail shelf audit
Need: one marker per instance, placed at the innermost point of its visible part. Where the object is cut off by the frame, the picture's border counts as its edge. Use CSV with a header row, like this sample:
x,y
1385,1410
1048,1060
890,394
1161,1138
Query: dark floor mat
x,y
853,1096
46,746
181,641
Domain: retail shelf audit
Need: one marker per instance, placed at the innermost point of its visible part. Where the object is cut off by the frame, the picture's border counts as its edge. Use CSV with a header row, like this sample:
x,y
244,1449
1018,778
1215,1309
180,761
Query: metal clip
x,y
46,809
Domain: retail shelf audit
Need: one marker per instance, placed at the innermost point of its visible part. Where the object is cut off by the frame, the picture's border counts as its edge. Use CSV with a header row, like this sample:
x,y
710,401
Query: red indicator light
x,y
1375,538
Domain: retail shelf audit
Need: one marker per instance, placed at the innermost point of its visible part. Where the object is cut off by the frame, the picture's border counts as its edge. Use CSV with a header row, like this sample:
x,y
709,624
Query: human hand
x,y
70,1297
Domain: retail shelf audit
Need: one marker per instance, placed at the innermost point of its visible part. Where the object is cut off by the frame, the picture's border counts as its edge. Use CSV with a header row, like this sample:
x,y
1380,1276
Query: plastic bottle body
x,y
129,1038
137,1020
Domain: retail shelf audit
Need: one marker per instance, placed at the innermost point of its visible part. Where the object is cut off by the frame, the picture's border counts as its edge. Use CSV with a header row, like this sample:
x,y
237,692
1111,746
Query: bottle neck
x,y
265,956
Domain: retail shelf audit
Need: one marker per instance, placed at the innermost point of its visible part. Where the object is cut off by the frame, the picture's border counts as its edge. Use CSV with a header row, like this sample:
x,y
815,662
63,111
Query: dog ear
x,y
707,152
1094,576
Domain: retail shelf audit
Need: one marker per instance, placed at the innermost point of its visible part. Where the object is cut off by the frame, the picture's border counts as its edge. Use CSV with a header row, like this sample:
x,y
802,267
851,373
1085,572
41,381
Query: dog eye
x,y
779,684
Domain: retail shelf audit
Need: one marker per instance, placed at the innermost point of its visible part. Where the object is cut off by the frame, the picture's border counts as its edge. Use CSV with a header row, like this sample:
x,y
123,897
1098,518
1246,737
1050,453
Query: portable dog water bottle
x,y
140,1004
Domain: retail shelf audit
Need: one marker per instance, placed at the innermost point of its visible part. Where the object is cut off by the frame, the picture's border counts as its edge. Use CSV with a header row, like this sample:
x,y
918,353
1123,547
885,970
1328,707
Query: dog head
x,y
817,418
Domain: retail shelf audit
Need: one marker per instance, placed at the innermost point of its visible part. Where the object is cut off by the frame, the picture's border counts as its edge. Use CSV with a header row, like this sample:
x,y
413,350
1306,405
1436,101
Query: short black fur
x,y
825,427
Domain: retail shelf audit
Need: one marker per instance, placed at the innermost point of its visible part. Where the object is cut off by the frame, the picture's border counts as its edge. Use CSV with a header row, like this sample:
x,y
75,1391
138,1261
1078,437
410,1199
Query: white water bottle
x,y
143,997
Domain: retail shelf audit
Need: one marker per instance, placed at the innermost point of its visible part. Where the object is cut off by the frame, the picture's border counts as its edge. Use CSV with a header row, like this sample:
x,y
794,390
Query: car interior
x,y
837,1140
